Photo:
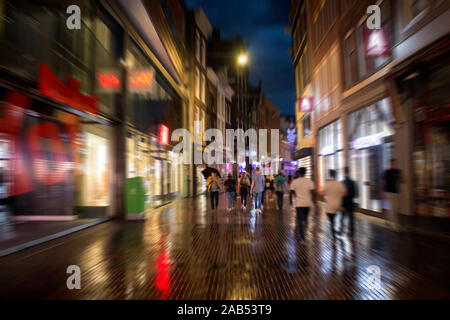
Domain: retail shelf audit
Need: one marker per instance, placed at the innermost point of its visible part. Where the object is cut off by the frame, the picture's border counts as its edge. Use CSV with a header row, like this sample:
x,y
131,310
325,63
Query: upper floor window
x,y
197,46
306,122
357,66
412,8
326,84
323,20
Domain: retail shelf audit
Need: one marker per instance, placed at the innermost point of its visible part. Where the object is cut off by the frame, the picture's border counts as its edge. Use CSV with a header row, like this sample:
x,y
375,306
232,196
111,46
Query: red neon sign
x,y
141,79
51,86
163,134
108,80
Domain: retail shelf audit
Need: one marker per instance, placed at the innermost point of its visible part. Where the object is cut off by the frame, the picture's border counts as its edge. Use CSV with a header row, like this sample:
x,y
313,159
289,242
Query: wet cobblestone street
x,y
183,251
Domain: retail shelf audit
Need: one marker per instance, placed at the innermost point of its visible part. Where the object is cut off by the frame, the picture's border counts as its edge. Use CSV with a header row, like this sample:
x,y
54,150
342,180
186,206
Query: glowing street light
x,y
242,59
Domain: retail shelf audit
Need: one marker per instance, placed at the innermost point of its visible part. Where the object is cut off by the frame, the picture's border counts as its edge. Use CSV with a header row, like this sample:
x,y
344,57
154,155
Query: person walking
x,y
257,189
230,189
279,183
391,183
348,202
289,181
213,185
267,195
304,195
243,188
334,191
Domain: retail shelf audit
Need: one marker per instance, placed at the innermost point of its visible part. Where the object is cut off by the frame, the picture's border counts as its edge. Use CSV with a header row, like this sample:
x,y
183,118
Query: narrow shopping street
x,y
183,251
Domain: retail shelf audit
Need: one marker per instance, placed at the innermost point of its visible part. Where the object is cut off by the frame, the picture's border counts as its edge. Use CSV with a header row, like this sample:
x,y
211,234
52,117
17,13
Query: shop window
x,y
357,66
96,171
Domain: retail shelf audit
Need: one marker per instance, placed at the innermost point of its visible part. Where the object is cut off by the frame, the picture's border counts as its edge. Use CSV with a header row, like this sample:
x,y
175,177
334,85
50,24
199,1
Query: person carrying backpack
x,y
243,187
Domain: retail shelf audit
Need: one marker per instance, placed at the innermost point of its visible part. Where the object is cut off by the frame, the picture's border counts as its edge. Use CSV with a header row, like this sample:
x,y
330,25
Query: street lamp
x,y
242,59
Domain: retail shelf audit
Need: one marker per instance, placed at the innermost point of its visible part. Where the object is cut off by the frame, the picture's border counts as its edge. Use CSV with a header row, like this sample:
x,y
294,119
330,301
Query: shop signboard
x,y
52,87
108,80
141,80
305,104
368,141
376,43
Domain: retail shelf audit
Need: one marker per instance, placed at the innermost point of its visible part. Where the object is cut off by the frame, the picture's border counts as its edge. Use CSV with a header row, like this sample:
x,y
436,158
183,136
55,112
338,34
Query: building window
x,y
96,171
302,70
351,60
326,83
203,88
203,52
324,20
412,8
330,151
357,66
197,84
306,125
197,46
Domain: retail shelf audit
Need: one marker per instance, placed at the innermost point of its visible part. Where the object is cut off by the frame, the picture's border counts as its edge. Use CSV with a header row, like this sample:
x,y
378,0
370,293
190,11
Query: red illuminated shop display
x,y
52,87
44,159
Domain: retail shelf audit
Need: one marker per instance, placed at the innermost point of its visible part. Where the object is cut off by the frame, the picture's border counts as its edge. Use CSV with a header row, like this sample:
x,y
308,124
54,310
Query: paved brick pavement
x,y
184,251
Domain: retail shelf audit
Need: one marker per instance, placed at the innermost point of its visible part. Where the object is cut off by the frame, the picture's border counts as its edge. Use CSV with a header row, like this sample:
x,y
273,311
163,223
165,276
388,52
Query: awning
x,y
305,152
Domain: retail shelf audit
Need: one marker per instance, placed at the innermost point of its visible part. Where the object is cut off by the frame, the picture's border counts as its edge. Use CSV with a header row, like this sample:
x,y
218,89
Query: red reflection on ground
x,y
162,279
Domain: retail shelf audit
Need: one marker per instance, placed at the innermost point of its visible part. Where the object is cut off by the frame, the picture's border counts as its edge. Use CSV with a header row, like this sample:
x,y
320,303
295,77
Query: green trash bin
x,y
135,198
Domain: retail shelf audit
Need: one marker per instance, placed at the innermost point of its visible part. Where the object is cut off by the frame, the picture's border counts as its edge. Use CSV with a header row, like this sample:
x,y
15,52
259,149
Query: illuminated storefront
x,y
370,139
153,110
424,84
55,122
304,158
330,151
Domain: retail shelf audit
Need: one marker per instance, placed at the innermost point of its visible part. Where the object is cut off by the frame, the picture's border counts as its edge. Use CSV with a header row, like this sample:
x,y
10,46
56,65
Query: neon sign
x,y
52,87
141,80
163,134
108,81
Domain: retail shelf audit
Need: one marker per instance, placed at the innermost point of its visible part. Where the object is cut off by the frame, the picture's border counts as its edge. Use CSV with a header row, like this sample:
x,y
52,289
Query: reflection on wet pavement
x,y
183,251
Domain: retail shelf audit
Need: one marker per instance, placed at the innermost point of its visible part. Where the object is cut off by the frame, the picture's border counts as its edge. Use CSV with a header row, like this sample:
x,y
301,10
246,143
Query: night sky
x,y
261,23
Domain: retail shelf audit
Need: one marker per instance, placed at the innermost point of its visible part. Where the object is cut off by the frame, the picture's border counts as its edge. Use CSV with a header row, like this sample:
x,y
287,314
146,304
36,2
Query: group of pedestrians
x,y
338,195
258,187
338,198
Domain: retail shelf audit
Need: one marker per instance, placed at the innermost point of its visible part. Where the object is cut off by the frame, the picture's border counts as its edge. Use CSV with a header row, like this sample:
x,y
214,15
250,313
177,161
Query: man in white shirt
x,y
304,195
333,191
